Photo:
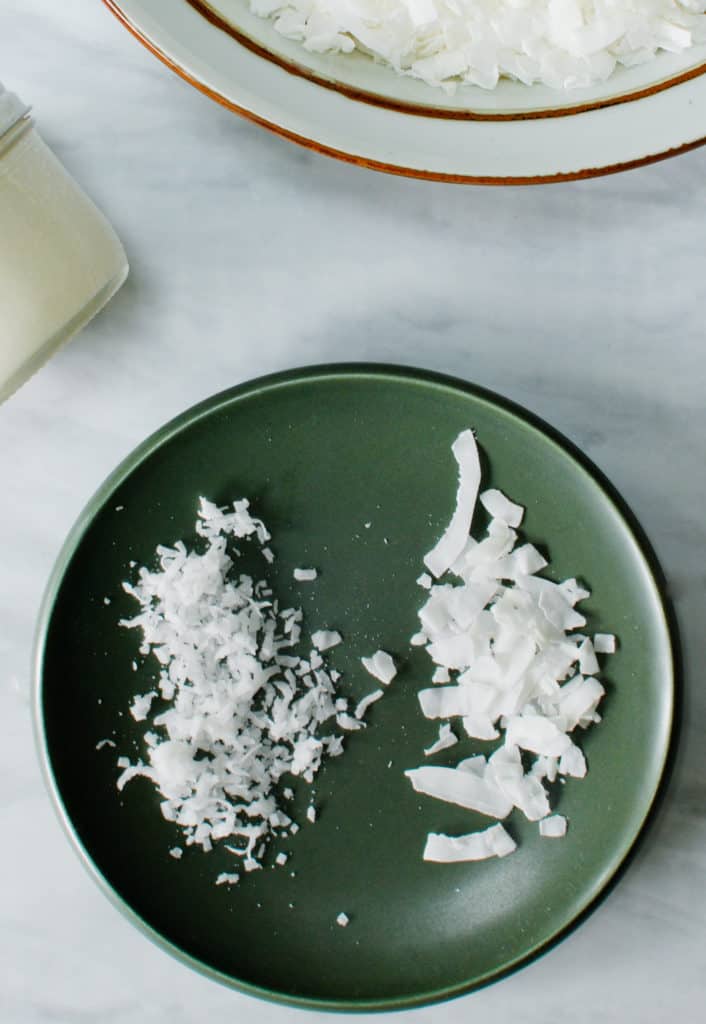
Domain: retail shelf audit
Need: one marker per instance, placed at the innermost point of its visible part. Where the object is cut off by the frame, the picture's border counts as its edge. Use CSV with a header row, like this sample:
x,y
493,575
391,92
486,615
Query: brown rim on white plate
x,y
199,70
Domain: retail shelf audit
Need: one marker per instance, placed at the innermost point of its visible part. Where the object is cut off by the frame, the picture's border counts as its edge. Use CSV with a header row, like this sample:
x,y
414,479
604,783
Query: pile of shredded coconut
x,y
560,43
235,708
511,664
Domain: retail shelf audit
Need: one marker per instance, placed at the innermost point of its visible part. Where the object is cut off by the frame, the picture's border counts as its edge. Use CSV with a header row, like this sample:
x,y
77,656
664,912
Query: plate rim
x,y
401,372
401,170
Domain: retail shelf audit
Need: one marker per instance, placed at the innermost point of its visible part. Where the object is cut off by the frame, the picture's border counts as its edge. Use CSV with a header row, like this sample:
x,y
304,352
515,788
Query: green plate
x,y
321,452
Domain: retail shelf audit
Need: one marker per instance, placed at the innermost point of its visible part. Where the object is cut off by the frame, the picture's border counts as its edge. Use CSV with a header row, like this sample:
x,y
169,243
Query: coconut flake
x,y
604,643
492,842
226,878
522,673
538,734
444,701
366,701
460,787
498,506
380,666
140,707
324,639
349,722
577,701
453,540
588,663
342,920
445,739
553,827
573,763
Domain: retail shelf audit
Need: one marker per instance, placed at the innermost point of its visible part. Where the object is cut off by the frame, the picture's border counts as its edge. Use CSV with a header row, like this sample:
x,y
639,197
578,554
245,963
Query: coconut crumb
x,y
226,878
324,639
140,707
342,920
553,827
604,643
305,575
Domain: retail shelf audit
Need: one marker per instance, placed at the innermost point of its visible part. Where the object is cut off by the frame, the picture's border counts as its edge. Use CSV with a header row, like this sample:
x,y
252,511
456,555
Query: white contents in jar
x,y
60,260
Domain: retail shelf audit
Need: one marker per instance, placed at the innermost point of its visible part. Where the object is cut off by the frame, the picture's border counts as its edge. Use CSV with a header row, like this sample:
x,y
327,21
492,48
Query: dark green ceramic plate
x,y
321,452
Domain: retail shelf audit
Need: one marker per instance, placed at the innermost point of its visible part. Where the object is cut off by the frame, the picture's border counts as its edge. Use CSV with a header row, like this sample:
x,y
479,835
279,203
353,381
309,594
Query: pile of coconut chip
x,y
512,663
560,43
235,708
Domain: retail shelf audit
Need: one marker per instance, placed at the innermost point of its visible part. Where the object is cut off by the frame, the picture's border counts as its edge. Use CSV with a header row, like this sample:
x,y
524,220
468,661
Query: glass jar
x,y
60,260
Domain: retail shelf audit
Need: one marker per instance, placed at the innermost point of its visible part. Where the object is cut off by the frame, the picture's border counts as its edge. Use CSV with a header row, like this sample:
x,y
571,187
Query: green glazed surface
x,y
320,453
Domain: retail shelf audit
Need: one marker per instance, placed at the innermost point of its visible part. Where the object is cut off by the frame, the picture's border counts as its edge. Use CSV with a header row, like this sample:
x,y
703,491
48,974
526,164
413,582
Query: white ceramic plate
x,y
351,108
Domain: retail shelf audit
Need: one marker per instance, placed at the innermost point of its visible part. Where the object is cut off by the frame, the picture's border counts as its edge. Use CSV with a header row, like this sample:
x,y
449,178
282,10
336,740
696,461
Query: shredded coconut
x,y
561,43
235,708
342,920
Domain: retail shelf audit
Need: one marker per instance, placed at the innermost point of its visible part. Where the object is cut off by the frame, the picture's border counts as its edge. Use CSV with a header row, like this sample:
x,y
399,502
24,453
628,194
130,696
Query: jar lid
x,y
12,110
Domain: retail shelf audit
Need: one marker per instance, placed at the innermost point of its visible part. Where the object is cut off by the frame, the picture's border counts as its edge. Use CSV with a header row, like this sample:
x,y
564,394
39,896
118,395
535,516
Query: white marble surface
x,y
583,301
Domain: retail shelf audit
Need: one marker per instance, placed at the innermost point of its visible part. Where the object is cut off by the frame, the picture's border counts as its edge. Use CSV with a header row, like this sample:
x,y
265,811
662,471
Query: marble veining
x,y
581,301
